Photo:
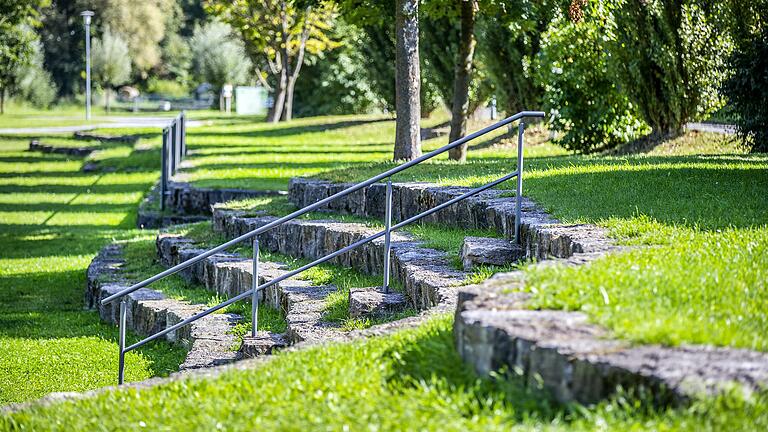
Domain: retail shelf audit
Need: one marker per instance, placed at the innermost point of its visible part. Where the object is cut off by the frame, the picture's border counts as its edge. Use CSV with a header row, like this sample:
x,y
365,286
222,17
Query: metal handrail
x,y
173,151
253,292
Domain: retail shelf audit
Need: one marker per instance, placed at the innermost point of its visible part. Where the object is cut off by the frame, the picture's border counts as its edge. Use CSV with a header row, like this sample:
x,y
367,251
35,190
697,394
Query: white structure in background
x,y
250,100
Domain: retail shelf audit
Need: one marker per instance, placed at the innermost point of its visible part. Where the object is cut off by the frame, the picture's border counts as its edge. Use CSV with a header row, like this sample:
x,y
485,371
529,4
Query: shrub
x,y
747,89
168,88
668,56
579,90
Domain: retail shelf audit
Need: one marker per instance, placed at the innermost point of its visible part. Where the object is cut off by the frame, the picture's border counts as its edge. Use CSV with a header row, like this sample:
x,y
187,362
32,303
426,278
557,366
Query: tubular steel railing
x,y
255,287
174,150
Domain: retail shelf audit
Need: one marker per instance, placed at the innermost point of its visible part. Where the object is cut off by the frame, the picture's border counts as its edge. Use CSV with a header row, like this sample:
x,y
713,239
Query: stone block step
x,y
542,235
302,303
209,340
426,274
375,303
489,251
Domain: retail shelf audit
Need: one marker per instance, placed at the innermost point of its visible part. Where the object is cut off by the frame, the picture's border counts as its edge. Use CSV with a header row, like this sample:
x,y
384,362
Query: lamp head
x,y
87,16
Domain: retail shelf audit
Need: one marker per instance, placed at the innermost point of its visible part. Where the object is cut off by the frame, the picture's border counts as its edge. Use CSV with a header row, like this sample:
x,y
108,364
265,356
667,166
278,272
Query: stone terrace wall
x,y
542,235
184,198
576,361
426,274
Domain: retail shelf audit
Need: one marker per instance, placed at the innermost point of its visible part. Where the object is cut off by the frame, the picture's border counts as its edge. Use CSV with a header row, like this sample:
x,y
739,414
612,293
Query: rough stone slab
x,y
375,303
36,145
489,251
186,199
129,139
302,303
542,236
265,343
577,361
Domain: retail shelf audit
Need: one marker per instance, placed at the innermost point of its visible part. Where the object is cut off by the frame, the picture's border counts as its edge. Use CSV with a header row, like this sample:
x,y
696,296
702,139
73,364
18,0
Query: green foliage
x,y
111,61
167,88
34,82
142,25
747,87
669,56
176,59
580,91
218,57
509,39
16,52
334,81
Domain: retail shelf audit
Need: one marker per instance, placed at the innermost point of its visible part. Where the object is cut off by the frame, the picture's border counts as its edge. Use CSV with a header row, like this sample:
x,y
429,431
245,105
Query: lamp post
x,y
87,20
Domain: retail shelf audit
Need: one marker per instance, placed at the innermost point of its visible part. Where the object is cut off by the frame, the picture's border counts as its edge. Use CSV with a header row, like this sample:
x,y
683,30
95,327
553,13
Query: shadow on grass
x,y
431,360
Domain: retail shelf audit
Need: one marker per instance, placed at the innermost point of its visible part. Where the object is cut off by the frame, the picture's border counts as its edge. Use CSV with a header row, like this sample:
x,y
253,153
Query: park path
x,y
114,122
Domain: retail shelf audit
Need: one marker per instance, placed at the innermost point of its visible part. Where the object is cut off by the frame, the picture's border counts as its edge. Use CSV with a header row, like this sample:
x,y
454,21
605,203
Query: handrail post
x,y
184,133
164,170
254,286
177,137
519,191
172,145
388,230
121,342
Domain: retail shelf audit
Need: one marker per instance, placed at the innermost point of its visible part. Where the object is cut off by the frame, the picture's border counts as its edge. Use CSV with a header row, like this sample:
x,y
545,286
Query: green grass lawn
x,y
703,215
413,380
54,219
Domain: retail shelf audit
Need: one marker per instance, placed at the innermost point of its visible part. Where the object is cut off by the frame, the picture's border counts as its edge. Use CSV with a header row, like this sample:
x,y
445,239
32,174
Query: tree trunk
x,y
461,80
288,106
2,100
279,99
407,81
106,100
293,70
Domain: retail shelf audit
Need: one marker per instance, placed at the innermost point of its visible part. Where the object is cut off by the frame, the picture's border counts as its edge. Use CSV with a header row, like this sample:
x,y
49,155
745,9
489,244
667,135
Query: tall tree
x,y
218,56
142,25
111,62
407,81
462,78
277,35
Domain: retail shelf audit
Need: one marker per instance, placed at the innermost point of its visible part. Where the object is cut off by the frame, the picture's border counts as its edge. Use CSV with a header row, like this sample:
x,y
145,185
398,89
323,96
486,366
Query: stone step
x,y
209,340
542,236
187,199
36,145
489,251
426,274
374,303
576,361
229,274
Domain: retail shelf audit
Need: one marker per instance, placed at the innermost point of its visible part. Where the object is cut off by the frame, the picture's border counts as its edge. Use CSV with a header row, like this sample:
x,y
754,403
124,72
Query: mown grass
x,y
53,220
266,156
410,380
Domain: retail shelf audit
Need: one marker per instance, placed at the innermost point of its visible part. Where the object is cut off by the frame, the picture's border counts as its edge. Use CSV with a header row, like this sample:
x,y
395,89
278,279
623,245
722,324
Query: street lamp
x,y
87,20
